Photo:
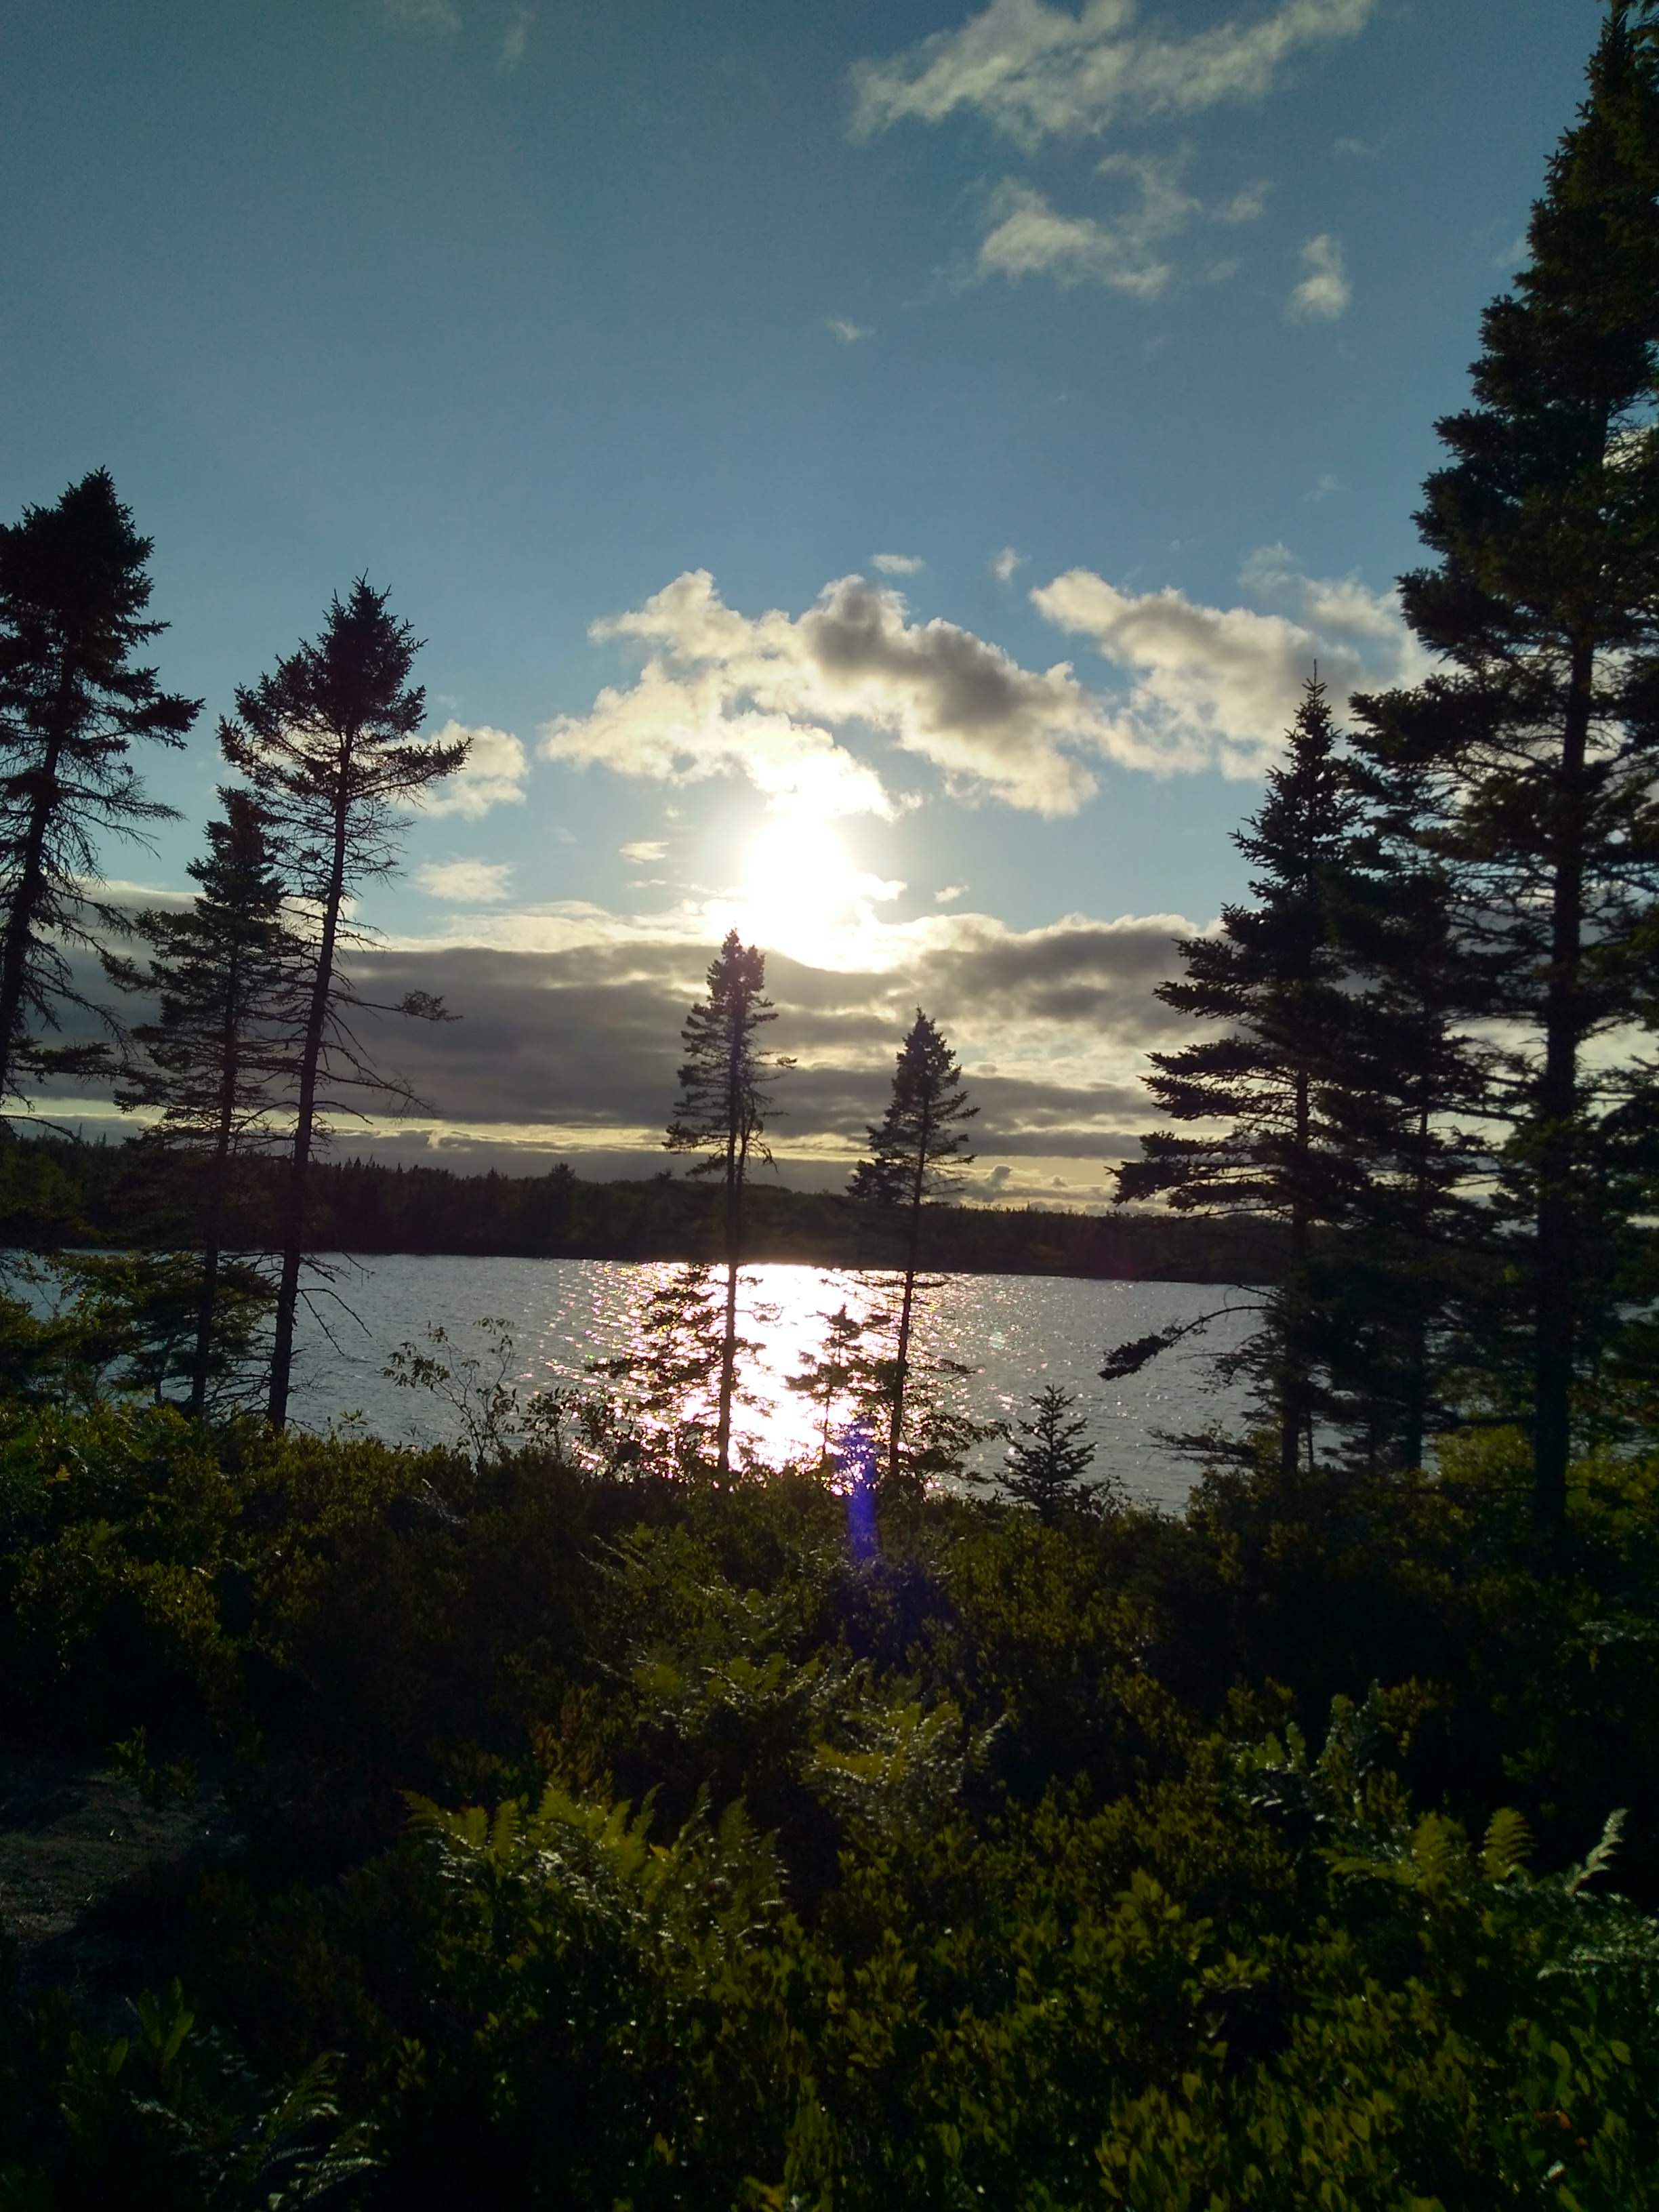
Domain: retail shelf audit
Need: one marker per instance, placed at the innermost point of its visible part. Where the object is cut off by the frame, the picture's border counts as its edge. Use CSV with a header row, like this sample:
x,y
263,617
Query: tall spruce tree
x,y
1272,983
74,700
1532,753
328,743
1407,1289
917,1151
229,977
725,1098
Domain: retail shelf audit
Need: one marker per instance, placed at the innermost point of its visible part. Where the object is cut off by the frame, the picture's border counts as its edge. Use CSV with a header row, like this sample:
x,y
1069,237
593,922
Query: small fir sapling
x,y
1048,1459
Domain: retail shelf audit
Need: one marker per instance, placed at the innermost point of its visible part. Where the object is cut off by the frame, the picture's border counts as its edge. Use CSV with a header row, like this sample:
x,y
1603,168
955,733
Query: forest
x,y
584,1813
56,1192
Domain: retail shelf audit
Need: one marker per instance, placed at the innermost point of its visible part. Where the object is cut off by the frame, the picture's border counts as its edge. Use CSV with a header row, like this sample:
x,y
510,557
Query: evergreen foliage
x,y
842,1372
1052,1863
74,700
725,1097
917,1151
1048,1459
1273,1071
227,975
1529,754
328,743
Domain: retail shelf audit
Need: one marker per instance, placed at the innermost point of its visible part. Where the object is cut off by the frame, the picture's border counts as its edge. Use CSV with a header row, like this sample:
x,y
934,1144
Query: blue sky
x,y
1119,330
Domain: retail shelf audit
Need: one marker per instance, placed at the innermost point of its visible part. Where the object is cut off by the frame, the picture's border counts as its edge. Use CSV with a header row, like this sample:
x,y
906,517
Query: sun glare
x,y
800,889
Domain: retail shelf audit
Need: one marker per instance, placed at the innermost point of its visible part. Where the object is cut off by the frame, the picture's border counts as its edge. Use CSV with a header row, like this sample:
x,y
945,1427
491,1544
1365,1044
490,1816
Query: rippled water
x,y
1016,1333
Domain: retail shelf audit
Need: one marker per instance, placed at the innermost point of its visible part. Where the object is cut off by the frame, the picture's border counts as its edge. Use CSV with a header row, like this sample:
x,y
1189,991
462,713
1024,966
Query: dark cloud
x,y
586,1042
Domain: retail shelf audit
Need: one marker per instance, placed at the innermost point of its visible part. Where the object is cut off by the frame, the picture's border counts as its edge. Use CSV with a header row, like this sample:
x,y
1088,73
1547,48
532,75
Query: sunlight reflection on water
x,y
1016,1333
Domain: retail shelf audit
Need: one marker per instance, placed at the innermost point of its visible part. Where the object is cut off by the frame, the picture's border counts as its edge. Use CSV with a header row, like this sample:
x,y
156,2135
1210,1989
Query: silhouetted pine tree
x,y
1048,1458
842,1372
229,977
1273,982
725,1097
917,1151
73,701
328,742
1533,754
1406,1290
675,1366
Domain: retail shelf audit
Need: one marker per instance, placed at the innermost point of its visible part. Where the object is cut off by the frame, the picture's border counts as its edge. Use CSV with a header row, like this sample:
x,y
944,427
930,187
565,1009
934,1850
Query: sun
x,y
800,888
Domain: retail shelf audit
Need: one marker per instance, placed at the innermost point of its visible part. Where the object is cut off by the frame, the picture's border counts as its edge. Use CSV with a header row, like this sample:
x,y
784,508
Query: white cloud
x,y
726,693
1325,292
1128,251
644,850
466,882
848,333
948,894
1326,487
1357,150
516,39
1245,206
1035,71
1028,238
1003,564
898,564
1217,687
493,776
439,15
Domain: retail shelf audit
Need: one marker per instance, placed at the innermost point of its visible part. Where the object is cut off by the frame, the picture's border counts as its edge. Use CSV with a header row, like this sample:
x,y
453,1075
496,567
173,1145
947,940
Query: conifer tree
x,y
1533,751
74,700
328,743
676,1363
1272,980
725,1097
1047,1457
1406,1290
917,1151
229,974
842,1372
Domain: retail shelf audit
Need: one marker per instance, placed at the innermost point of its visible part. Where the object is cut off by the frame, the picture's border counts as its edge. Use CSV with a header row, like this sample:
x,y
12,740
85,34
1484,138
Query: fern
x,y
1508,1844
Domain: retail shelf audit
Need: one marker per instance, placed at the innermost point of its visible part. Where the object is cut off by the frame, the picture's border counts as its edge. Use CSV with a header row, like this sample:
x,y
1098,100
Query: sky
x,y
874,477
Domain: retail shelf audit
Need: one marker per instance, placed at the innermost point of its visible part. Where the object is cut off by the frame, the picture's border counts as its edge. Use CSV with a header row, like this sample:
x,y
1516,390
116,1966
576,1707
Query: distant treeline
x,y
56,1193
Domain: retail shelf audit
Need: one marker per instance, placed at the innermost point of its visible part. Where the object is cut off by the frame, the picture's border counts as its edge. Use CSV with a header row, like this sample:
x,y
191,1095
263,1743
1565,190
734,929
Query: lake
x,y
1016,1333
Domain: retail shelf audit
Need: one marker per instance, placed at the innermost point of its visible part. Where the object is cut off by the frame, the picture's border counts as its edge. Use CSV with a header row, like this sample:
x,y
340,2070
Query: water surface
x,y
1014,1333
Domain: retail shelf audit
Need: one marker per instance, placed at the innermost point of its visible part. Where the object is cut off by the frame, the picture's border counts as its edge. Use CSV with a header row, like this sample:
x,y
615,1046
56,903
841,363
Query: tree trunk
x,y
736,1152
1556,1290
907,1304
293,1224
1415,1411
26,900
213,1212
1294,1415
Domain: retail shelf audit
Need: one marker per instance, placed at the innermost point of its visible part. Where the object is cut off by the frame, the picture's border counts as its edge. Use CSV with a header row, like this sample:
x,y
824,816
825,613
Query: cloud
x,y
516,38
897,564
1033,71
644,850
1027,238
725,693
1003,564
440,16
848,333
1325,292
578,1046
1326,487
949,894
1217,687
1357,150
568,1047
1245,206
493,776
1127,252
466,882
